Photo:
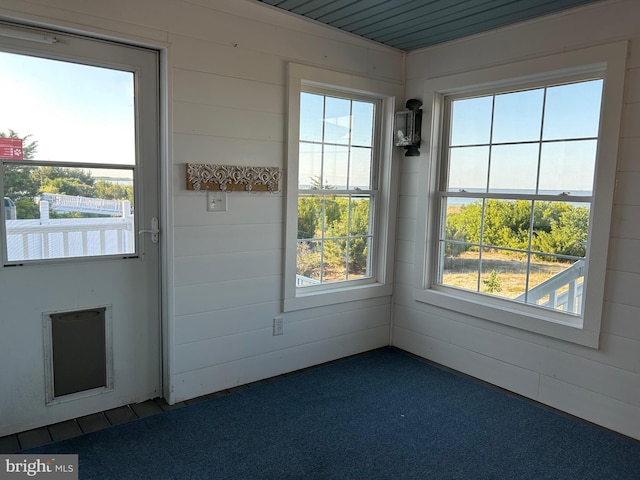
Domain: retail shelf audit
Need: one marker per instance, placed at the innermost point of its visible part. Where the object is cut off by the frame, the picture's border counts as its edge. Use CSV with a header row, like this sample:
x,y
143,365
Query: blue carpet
x,y
380,415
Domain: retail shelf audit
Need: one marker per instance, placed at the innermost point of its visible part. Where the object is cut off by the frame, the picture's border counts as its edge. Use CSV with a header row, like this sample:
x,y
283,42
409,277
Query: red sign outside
x,y
11,149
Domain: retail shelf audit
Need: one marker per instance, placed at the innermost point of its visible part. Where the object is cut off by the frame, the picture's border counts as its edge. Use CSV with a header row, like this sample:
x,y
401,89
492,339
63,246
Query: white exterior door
x,y
79,136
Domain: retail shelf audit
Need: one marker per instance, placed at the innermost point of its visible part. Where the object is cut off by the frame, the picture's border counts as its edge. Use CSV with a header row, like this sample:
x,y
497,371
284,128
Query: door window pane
x,y
73,112
57,114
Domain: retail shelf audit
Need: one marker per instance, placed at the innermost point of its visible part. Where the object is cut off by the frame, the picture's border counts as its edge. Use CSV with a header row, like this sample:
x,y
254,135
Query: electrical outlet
x,y
278,326
216,201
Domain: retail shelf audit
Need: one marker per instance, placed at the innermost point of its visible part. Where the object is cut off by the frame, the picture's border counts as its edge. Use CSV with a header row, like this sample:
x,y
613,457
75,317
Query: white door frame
x,y
167,283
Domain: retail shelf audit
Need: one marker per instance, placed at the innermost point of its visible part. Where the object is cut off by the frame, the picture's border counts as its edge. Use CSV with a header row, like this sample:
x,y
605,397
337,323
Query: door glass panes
x,y
73,112
72,182
529,159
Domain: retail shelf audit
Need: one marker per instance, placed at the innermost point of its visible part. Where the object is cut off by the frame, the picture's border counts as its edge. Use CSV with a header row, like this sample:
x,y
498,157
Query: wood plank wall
x,y
227,90
602,386
227,72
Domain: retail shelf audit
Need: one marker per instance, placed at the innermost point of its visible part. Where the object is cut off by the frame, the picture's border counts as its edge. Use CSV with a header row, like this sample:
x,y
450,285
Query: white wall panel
x,y
226,91
622,320
625,222
228,294
206,240
195,119
246,318
623,254
600,409
575,28
201,354
406,229
600,385
220,323
259,208
225,59
631,120
627,192
501,374
629,160
220,151
633,85
622,287
223,267
227,66
230,374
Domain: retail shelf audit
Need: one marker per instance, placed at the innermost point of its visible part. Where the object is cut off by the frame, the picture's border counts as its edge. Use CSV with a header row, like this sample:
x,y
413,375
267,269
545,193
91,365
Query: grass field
x,y
509,281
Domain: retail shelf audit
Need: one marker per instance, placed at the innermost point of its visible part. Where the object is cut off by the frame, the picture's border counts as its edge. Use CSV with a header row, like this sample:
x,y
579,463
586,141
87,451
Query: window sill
x,y
320,298
539,322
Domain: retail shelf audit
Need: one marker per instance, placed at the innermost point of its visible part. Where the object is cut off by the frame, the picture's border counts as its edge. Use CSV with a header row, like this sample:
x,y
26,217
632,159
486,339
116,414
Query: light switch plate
x,y
216,201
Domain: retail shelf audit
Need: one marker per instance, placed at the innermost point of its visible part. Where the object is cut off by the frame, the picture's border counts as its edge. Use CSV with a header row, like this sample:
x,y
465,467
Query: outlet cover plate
x,y
278,326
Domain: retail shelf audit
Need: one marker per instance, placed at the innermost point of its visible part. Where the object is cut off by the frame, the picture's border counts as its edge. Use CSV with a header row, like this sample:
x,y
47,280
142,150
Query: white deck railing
x,y
564,290
71,203
302,281
69,237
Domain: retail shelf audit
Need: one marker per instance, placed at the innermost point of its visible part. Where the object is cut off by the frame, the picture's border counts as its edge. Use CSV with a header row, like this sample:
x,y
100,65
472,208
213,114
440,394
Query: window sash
x,y
482,194
371,193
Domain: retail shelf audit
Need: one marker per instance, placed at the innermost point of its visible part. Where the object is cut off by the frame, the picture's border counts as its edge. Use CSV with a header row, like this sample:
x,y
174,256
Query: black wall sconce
x,y
407,128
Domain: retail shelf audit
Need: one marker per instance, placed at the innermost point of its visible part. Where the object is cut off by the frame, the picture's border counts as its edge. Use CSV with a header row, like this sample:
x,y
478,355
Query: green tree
x,y
559,228
566,233
65,181
345,223
113,191
493,283
19,184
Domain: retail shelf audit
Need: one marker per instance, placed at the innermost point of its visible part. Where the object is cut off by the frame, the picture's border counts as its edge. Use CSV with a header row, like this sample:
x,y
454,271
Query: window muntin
x,y
337,190
515,194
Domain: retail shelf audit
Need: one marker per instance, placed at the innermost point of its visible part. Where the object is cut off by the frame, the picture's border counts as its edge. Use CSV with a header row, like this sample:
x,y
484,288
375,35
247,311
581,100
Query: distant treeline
x,y
22,183
558,228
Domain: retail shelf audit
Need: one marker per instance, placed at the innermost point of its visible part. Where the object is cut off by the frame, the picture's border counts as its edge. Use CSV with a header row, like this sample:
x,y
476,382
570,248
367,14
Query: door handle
x,y
155,231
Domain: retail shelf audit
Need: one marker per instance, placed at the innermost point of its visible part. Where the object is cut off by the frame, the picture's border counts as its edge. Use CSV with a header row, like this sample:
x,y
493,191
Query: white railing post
x,y
128,234
44,236
44,212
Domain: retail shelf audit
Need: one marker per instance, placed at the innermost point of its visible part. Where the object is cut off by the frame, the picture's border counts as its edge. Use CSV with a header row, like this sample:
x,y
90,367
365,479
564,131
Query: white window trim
x,y
384,234
609,58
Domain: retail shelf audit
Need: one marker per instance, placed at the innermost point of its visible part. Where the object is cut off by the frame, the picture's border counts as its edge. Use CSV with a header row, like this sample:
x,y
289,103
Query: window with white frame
x,y
338,180
522,195
516,192
337,190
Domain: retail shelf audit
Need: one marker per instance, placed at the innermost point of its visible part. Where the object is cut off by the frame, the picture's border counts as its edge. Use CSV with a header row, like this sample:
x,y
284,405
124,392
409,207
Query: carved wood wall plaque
x,y
229,178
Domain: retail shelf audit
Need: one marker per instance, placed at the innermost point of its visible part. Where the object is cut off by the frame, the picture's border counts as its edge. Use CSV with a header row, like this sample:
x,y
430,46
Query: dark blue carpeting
x,y
380,415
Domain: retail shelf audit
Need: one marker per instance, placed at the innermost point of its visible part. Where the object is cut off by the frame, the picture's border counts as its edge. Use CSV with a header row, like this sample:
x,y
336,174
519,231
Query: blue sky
x,y
77,113
566,121
347,126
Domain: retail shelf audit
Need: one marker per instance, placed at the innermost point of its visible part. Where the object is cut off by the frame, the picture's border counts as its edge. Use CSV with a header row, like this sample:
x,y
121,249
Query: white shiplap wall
x,y
230,108
227,90
602,386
